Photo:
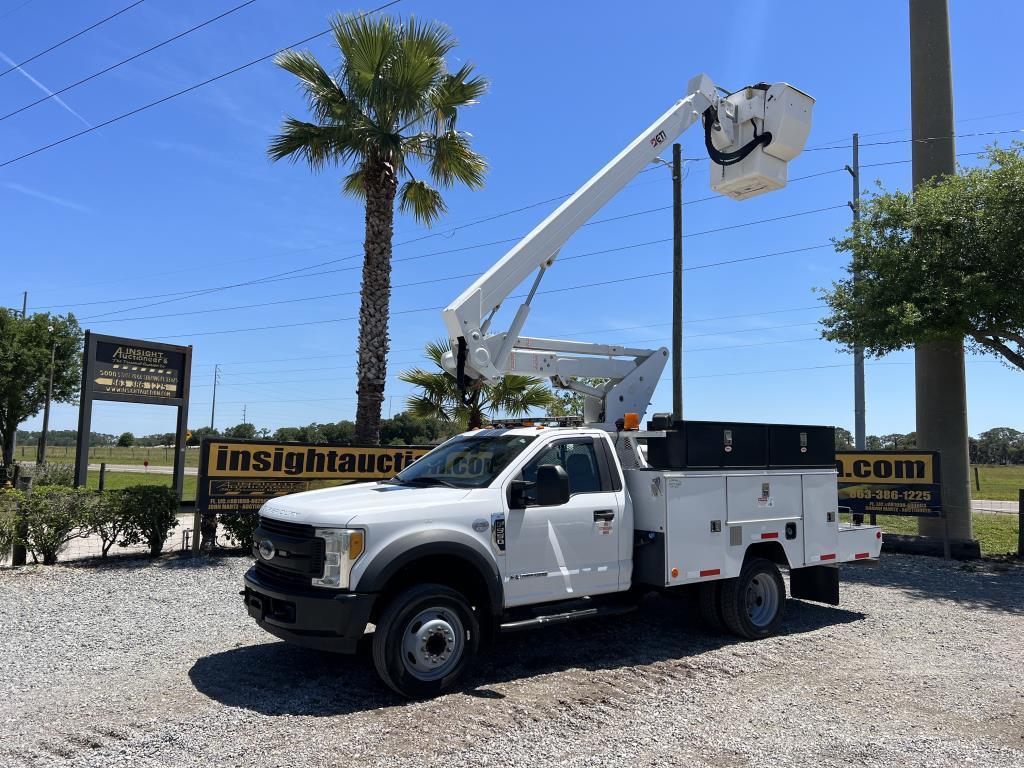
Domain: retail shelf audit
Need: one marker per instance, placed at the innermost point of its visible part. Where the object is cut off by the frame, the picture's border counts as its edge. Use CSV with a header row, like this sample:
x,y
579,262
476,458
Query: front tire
x,y
425,640
753,603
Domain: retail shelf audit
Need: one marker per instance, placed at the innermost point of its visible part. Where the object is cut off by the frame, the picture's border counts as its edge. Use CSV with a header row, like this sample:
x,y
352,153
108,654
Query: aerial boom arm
x,y
467,317
751,135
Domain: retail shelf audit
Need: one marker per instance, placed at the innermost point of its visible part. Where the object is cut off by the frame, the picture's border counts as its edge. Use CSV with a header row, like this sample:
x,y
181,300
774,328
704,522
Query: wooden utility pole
x,y
940,378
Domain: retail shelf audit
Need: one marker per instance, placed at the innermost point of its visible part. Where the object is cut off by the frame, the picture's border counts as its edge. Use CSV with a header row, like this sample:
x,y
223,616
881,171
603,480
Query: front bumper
x,y
311,618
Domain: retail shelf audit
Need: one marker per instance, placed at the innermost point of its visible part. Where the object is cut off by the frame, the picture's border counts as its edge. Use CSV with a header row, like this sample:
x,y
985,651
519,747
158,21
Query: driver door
x,y
567,550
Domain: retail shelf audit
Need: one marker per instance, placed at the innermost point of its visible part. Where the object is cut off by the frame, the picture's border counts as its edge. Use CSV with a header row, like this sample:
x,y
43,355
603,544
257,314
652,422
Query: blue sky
x,y
181,198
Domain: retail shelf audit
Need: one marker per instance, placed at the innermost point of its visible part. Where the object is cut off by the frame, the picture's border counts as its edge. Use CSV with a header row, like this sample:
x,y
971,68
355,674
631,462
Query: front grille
x,y
301,553
283,528
280,577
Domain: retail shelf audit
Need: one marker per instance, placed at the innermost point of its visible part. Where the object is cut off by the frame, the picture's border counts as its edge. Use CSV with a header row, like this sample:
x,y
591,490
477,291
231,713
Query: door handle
x,y
604,514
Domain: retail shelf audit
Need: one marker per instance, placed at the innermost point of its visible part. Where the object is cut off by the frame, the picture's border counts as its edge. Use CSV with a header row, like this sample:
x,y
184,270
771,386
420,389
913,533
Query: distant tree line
x,y
403,429
1001,445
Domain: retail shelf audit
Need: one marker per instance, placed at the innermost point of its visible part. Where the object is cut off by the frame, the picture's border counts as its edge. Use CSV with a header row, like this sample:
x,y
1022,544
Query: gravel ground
x,y
142,664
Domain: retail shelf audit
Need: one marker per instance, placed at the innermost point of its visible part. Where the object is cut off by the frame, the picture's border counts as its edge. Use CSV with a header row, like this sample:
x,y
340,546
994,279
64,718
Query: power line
x,y
182,92
285,275
572,333
18,7
129,59
450,278
69,39
446,233
550,290
351,369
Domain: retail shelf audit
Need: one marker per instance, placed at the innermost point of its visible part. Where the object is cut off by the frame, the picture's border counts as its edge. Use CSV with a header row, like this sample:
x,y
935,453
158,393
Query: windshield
x,y
465,462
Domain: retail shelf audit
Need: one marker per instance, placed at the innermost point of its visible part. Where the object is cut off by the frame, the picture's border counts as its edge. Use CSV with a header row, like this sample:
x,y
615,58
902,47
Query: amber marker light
x,y
631,421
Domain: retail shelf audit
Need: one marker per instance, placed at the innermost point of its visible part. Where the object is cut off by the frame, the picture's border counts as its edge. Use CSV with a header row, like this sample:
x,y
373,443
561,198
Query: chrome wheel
x,y
433,643
762,600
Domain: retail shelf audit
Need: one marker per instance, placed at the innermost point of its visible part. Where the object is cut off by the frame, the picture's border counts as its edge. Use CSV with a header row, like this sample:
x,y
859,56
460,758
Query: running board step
x,y
574,615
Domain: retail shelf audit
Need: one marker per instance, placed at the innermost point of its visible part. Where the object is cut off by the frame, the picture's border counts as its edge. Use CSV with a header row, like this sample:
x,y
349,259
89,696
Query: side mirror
x,y
552,485
517,493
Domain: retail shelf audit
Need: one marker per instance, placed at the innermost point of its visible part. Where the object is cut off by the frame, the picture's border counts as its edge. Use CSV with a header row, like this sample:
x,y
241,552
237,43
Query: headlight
x,y
342,547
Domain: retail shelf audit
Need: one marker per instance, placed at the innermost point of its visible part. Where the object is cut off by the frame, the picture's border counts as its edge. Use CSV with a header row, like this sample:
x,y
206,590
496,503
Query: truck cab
x,y
510,528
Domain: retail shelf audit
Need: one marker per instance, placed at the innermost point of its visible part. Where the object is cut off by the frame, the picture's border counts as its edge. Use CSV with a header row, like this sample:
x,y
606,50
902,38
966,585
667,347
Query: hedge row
x,y
49,517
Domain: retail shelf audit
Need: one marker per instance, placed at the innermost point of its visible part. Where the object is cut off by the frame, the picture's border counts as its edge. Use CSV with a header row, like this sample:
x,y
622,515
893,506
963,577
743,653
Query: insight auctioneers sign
x,y
240,475
890,482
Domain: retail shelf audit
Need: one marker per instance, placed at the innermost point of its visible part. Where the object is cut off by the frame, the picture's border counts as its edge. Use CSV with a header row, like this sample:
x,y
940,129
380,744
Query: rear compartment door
x,y
821,519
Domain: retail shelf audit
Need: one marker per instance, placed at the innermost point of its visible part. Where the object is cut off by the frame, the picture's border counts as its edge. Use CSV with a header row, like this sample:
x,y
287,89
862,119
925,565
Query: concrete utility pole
x,y
940,379
859,427
677,282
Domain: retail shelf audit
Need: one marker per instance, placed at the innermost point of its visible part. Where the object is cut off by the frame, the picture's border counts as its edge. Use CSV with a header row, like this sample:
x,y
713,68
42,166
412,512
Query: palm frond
x,y
436,350
354,184
318,145
455,90
425,408
422,200
324,96
367,44
453,160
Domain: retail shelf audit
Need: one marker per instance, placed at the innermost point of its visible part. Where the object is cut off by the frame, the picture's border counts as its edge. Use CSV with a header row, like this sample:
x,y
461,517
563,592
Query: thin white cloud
x,y
48,198
43,88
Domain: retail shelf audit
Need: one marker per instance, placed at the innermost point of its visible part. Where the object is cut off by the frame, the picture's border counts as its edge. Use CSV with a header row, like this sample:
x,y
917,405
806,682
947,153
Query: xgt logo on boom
x,y
659,138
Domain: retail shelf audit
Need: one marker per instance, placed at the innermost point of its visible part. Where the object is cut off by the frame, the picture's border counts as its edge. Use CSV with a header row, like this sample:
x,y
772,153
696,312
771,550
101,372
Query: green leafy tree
x,y
198,433
844,439
1000,445
941,264
439,397
243,431
26,345
389,113
126,440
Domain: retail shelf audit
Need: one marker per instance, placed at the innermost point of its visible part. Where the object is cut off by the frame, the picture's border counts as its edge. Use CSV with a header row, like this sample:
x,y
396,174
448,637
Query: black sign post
x,y
133,371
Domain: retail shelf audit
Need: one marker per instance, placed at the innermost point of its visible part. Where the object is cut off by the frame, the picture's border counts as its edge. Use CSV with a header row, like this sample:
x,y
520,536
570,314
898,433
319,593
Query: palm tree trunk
x,y
375,296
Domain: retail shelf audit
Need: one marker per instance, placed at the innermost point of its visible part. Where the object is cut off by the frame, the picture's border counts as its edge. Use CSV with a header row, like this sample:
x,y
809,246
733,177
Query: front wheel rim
x,y
433,643
762,599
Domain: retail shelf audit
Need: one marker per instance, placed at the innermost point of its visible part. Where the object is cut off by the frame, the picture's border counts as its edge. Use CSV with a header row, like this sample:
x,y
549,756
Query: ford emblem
x,y
480,525
267,549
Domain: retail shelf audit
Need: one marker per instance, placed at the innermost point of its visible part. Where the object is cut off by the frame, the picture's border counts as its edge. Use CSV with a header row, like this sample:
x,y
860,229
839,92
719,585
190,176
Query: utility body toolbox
x,y
738,445
714,489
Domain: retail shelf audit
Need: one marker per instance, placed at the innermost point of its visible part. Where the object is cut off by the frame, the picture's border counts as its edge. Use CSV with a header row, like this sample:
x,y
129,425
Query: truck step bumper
x,y
308,618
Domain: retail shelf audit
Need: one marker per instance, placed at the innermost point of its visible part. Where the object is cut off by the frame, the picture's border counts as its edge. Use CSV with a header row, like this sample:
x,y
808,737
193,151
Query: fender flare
x,y
407,549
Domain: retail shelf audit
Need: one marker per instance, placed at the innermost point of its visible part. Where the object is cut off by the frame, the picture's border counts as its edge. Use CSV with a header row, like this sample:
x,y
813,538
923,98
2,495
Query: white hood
x,y
336,507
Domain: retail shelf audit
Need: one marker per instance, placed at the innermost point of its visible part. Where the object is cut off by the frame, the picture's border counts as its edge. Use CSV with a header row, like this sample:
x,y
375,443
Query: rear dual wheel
x,y
752,605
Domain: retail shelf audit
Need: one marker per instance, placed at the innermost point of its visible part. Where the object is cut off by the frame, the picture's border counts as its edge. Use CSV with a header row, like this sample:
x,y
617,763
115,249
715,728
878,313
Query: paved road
x,y
987,505
140,468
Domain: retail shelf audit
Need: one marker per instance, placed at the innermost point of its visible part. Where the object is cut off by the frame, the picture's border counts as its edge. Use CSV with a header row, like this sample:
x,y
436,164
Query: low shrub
x,y
9,504
149,513
54,515
240,526
51,474
106,519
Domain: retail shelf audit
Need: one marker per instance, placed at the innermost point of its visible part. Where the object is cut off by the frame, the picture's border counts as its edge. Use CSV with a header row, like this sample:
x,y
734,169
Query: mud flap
x,y
819,583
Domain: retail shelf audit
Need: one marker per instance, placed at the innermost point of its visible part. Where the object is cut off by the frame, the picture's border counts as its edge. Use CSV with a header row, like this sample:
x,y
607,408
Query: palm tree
x,y
390,106
439,396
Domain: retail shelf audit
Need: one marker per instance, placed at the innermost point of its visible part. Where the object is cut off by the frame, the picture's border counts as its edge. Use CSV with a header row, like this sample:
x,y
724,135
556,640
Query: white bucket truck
x,y
515,527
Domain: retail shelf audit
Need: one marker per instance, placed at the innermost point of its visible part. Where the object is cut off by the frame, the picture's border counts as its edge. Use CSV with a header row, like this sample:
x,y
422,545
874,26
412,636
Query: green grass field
x,y
997,534
998,482
115,480
157,457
